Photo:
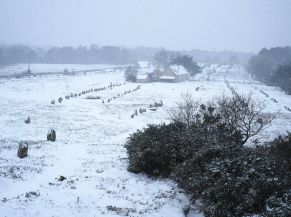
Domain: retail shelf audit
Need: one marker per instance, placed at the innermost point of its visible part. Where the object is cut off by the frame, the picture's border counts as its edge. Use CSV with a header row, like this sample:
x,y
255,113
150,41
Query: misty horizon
x,y
242,26
48,47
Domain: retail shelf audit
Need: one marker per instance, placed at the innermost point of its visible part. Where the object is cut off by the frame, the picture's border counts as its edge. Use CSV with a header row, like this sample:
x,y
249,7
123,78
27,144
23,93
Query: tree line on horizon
x,y
65,55
15,54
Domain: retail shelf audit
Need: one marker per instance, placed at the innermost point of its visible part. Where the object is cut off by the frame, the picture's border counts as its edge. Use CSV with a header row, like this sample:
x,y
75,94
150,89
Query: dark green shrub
x,y
158,149
202,150
281,149
237,183
279,206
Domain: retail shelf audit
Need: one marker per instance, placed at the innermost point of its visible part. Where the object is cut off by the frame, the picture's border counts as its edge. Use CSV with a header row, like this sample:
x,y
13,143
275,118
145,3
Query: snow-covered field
x,y
89,149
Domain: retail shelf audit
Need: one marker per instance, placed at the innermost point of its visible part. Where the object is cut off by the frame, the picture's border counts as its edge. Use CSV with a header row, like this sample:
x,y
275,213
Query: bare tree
x,y
240,113
186,110
164,57
244,113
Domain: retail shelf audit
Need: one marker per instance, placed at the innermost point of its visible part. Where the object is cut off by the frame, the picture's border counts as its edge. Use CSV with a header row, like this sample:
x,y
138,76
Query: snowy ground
x,y
50,68
89,149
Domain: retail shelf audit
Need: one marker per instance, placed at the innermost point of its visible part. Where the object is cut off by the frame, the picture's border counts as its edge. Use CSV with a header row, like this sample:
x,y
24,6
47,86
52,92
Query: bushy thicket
x,y
273,66
130,74
236,183
188,63
207,158
282,77
158,149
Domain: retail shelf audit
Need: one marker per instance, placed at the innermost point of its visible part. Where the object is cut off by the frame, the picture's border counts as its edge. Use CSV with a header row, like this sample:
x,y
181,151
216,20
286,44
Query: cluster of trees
x,y
203,150
219,57
282,77
213,57
16,54
93,55
273,67
188,63
130,74
164,58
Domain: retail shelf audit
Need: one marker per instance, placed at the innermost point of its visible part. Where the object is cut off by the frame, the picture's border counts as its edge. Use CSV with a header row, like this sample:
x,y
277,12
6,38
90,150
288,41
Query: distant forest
x,y
273,66
13,54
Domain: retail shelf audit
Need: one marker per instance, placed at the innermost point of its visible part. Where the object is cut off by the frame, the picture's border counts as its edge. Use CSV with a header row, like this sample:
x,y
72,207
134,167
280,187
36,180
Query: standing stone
x,y
51,136
27,121
22,149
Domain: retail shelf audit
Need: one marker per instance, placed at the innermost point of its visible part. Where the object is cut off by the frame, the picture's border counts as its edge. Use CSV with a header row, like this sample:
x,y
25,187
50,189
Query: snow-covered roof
x,y
142,76
143,64
109,70
179,70
147,70
168,77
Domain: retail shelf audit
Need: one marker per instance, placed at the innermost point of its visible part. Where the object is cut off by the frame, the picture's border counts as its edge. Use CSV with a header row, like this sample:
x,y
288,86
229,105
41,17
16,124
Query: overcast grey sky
x,y
241,25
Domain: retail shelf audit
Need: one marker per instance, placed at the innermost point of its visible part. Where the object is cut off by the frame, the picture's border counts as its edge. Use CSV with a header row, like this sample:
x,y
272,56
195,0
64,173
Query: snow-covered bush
x,y
234,183
281,149
157,149
279,206
202,149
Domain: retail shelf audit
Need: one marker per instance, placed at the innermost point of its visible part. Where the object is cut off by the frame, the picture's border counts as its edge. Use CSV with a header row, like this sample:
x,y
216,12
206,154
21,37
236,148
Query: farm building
x,y
168,78
144,70
143,64
174,73
143,78
149,73
156,74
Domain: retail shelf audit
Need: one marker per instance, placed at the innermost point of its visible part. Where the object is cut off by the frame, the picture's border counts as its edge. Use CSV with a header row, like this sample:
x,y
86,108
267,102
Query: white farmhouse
x,y
174,73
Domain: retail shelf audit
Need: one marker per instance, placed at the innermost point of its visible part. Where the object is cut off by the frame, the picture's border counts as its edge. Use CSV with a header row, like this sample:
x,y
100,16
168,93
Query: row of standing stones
x,y
122,94
74,95
152,107
51,136
261,91
273,99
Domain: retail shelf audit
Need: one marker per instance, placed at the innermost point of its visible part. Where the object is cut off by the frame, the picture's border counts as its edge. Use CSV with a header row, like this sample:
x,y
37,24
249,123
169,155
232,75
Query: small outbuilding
x,y
142,78
168,78
156,74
